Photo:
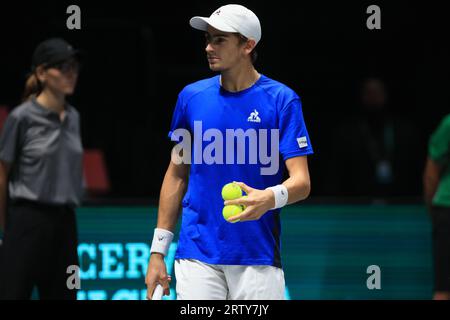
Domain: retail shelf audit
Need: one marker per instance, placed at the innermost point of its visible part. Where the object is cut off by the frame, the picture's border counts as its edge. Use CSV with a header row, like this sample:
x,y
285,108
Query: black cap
x,y
52,51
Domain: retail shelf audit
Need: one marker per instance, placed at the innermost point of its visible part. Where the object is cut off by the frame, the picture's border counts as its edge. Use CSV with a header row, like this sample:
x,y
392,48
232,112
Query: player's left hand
x,y
257,203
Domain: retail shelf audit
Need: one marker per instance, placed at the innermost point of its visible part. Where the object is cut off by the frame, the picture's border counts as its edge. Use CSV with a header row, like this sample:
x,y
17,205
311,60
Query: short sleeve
x,y
179,117
9,139
294,137
439,145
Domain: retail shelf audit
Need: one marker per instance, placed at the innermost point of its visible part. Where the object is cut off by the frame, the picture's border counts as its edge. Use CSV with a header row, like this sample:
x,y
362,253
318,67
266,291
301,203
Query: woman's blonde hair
x,y
33,87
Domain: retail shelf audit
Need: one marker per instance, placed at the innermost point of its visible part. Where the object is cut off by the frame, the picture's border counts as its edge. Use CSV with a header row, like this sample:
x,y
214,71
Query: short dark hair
x,y
253,54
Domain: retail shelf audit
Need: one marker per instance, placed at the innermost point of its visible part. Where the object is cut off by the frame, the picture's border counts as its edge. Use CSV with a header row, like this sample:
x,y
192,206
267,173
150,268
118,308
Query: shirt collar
x,y
45,111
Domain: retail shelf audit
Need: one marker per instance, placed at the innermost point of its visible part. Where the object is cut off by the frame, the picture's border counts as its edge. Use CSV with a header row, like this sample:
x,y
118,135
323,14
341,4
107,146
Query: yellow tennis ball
x,y
231,191
231,210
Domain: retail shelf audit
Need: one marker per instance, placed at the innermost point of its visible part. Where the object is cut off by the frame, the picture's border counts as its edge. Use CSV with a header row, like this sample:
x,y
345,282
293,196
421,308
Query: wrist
x,y
157,255
280,195
271,198
161,241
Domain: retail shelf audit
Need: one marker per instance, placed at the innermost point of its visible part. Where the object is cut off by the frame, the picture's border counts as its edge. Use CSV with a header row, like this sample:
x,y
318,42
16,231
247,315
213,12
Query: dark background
x,y
139,55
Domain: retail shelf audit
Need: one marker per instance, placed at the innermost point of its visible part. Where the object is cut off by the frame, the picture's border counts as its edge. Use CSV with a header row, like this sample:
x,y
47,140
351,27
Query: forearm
x,y
172,192
430,187
298,188
431,178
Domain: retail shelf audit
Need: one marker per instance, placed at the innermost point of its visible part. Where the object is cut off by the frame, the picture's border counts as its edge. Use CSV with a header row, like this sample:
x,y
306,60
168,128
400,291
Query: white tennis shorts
x,y
201,281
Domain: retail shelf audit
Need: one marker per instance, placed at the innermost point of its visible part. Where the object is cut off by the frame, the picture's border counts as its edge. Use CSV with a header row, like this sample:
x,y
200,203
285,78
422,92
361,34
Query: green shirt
x,y
439,151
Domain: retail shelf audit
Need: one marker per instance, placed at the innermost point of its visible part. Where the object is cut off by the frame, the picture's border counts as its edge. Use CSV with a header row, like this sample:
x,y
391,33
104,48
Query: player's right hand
x,y
157,274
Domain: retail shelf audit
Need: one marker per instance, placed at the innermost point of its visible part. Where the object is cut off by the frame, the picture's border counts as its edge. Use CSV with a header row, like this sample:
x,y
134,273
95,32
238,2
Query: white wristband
x,y
161,241
281,195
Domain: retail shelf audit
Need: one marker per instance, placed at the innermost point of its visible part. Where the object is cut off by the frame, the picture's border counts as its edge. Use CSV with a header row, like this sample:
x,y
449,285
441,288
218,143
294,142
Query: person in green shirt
x,y
437,198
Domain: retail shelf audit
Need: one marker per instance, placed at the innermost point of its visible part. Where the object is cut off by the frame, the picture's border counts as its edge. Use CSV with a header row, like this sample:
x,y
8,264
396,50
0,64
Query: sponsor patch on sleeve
x,y
302,142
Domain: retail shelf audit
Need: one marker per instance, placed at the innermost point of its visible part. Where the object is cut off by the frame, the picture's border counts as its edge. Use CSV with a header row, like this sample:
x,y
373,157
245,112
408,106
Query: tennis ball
x,y
231,210
231,191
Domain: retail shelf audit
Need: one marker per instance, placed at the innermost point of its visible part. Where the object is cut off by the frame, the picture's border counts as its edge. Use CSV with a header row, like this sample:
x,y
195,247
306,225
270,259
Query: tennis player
x,y
216,259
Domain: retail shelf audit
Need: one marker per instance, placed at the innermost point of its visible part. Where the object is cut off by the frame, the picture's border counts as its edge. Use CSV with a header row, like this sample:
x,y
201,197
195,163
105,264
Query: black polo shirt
x,y
45,154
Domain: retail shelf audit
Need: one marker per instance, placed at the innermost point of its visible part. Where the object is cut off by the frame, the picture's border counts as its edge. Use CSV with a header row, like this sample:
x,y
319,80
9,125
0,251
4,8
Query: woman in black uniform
x,y
41,179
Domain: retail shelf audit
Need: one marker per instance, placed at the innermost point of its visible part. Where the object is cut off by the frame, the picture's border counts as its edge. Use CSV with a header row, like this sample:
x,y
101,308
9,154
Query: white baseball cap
x,y
231,18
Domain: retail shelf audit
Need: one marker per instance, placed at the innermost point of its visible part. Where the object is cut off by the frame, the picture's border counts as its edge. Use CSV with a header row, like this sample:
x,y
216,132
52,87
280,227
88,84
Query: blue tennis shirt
x,y
234,136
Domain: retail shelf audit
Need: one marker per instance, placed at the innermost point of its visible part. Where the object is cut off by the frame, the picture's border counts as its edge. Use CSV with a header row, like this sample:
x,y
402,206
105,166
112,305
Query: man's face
x,y
223,49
